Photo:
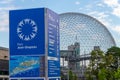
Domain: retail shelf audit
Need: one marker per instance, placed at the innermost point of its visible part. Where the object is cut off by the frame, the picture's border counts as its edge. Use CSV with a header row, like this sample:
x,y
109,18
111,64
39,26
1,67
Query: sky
x,y
105,11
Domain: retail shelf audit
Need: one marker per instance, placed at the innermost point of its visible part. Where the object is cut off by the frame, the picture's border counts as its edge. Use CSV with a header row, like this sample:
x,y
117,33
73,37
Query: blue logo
x,y
27,29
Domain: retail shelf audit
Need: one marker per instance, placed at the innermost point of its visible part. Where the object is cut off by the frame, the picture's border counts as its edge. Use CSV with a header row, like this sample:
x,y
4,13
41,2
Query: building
x,y
4,64
89,32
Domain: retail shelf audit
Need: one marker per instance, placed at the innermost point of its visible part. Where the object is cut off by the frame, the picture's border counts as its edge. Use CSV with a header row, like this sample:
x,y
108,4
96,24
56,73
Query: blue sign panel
x,y
27,32
26,79
53,68
53,34
53,44
24,66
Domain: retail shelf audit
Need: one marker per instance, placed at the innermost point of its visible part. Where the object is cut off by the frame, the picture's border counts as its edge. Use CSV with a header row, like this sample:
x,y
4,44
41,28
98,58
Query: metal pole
x,y
63,61
68,66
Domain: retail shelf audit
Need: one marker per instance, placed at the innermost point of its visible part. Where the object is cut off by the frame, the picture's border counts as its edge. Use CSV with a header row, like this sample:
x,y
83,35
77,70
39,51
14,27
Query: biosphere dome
x,y
89,32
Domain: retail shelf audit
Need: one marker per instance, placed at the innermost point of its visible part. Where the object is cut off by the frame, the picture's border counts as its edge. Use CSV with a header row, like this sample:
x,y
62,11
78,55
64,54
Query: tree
x,y
96,59
117,74
62,76
104,66
75,77
70,75
98,67
115,51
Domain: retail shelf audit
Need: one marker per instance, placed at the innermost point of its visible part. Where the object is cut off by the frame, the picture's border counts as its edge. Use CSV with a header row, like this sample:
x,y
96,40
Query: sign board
x,y
34,44
53,44
27,79
27,32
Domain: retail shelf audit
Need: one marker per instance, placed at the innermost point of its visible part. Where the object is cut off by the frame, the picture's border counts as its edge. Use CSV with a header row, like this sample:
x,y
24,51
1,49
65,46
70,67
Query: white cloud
x,y
111,3
6,1
115,6
4,22
77,2
7,8
116,11
88,6
102,17
116,29
100,5
4,19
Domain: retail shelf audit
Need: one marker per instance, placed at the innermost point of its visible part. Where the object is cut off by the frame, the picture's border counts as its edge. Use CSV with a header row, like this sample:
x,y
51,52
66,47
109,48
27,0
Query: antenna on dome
x,y
76,38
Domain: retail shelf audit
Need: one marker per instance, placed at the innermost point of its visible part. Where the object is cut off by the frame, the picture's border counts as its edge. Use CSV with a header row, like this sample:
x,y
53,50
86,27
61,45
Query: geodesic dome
x,y
89,32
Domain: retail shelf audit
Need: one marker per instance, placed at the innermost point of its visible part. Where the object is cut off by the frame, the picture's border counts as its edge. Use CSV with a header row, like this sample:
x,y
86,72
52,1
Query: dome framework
x,y
89,32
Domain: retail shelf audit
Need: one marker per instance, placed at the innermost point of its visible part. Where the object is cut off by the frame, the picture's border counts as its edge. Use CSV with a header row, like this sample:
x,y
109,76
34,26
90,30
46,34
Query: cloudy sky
x,y
106,11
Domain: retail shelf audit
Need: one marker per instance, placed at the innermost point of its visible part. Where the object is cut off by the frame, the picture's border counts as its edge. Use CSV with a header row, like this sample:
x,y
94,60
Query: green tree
x,y
75,77
96,58
70,75
102,74
62,76
104,66
99,66
115,51
117,74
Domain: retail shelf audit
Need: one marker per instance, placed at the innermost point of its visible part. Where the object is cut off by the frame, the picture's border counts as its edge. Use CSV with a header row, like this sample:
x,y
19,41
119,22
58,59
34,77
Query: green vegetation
x,y
104,66
72,76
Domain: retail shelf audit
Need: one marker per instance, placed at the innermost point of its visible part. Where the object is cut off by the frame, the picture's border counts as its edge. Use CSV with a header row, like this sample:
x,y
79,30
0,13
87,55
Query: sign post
x,y
34,45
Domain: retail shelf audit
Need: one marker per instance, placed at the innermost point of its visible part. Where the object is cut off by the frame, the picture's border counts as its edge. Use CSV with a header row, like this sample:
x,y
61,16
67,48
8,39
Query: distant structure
x,y
90,32
4,64
76,52
75,62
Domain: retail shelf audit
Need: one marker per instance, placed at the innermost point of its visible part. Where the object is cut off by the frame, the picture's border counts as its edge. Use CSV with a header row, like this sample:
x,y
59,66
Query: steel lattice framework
x,y
84,29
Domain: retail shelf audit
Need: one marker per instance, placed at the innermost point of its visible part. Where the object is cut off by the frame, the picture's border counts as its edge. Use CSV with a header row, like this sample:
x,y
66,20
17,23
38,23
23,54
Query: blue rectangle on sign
x,y
27,32
24,66
53,34
53,68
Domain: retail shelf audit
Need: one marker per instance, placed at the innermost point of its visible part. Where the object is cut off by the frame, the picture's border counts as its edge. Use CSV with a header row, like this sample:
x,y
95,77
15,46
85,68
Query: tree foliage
x,y
72,76
103,66
115,52
117,74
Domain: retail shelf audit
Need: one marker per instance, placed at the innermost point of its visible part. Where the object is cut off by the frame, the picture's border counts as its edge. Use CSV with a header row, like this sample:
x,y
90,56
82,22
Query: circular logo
x,y
27,29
